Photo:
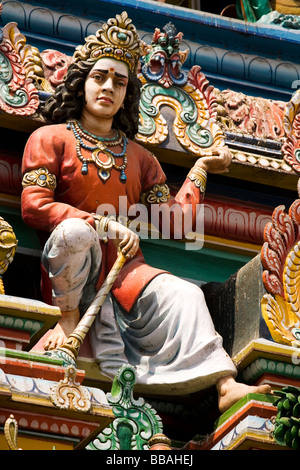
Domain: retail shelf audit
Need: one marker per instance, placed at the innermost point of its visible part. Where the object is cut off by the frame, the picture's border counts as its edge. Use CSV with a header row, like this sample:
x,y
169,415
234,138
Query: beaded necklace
x,y
101,145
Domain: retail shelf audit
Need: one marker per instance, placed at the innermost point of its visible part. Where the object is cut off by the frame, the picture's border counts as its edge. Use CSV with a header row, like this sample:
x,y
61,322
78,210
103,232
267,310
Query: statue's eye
x,y
162,41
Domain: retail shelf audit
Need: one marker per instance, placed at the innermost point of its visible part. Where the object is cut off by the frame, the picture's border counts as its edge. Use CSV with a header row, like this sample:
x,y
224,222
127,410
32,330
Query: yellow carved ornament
x,y
282,315
8,246
70,395
11,433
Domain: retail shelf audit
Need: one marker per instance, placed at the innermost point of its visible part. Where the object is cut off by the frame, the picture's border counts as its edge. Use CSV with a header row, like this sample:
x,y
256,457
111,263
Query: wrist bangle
x,y
199,177
101,226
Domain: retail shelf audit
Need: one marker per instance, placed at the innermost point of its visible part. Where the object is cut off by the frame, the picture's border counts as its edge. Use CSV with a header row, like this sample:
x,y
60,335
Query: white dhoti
x,y
168,335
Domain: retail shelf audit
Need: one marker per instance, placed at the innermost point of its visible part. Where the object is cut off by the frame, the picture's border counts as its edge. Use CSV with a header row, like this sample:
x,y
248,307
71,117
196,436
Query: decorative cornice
x,y
26,315
39,414
254,429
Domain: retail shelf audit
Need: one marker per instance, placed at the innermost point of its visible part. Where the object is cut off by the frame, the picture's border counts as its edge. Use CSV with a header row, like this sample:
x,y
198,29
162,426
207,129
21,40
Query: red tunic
x,y
77,195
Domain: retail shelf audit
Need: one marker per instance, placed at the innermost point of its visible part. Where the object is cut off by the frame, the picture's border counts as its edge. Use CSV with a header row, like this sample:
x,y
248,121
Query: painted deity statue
x,y
86,158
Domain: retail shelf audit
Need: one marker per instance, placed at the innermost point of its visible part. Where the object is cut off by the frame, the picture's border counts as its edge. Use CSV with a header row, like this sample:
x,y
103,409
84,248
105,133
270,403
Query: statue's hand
x,y
218,162
123,238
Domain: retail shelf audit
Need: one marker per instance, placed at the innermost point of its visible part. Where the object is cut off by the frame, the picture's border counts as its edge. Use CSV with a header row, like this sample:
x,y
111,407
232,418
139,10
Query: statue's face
x,y
105,88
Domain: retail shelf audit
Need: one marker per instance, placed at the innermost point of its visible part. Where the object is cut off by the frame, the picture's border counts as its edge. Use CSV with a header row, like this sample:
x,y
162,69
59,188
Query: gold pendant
x,y
104,175
105,167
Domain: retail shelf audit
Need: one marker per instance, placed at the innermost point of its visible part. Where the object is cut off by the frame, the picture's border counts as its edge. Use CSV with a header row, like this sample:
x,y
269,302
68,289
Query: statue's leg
x,y
168,336
72,257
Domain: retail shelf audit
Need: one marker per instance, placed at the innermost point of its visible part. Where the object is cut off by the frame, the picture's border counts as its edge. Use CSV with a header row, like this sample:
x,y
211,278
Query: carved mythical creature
x,y
187,93
163,60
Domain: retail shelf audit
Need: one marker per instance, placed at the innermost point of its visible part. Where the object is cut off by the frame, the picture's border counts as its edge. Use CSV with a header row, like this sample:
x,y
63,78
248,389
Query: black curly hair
x,y
67,101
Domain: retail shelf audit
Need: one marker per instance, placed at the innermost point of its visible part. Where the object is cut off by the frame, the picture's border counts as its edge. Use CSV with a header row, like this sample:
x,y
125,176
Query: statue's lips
x,y
104,99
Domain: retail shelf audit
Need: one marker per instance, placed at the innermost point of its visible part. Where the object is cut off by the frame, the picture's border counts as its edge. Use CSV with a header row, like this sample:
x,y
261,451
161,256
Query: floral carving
x,y
281,276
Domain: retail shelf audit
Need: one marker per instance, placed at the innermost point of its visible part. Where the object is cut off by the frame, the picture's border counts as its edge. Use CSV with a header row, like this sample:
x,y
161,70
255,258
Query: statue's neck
x,y
95,125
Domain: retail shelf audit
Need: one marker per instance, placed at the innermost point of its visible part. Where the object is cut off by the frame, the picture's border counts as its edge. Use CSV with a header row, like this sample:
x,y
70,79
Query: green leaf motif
x,y
189,114
135,420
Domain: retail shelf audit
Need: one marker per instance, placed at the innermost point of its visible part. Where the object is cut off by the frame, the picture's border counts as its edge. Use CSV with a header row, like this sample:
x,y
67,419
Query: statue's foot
x,y
231,391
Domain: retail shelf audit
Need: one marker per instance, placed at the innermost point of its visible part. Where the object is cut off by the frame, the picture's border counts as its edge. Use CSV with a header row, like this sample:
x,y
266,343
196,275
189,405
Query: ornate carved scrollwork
x,y
68,394
188,94
281,276
136,421
18,95
291,121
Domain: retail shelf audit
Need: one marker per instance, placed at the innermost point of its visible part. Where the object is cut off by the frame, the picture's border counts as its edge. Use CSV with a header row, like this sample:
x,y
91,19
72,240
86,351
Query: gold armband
x,y
199,177
40,177
158,193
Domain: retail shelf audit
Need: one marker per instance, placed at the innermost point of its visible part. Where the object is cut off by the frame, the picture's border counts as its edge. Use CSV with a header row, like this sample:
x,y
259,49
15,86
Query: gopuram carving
x,y
188,94
280,252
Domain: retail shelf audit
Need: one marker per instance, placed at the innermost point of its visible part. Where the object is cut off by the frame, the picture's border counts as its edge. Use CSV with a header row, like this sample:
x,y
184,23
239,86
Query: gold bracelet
x,y
101,226
199,177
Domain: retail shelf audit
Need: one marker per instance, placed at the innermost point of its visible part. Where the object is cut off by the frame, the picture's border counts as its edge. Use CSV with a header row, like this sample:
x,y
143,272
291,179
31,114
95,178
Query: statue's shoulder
x,y
140,150
52,130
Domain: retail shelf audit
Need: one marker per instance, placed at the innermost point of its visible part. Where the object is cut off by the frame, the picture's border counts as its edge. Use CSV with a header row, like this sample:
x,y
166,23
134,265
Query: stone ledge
x,y
20,314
